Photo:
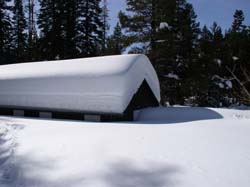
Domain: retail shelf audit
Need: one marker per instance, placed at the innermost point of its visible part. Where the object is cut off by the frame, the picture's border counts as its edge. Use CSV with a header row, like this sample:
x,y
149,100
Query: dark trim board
x,y
63,115
6,111
31,113
143,98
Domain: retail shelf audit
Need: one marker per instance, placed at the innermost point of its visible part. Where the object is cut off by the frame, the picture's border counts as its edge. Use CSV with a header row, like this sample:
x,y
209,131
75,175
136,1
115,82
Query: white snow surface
x,y
172,76
218,61
164,25
235,58
229,84
176,146
102,84
221,85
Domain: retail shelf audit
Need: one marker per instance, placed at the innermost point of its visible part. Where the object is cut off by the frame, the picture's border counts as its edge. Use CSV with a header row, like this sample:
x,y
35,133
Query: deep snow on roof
x,y
84,67
101,84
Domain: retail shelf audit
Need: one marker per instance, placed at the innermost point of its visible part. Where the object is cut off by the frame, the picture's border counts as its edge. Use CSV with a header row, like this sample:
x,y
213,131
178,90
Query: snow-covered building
x,y
100,89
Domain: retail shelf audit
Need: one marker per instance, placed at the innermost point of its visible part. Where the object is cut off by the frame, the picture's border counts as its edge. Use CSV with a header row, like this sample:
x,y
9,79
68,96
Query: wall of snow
x,y
103,84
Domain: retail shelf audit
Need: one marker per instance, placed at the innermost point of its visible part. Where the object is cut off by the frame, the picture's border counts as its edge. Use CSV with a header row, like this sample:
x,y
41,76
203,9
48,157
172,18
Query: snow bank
x,y
103,84
178,114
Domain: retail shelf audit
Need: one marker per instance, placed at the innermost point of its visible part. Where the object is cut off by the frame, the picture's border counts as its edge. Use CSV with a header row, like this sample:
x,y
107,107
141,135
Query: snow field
x,y
177,147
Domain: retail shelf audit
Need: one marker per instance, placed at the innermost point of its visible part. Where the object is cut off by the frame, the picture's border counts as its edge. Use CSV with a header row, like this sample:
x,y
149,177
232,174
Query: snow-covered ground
x,y
177,147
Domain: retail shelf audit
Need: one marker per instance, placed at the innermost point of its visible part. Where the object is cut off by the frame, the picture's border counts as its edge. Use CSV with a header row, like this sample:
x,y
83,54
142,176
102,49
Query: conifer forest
x,y
197,65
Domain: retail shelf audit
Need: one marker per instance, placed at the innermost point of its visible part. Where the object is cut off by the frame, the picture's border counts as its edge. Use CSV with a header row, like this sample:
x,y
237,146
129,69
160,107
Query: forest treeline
x,y
197,65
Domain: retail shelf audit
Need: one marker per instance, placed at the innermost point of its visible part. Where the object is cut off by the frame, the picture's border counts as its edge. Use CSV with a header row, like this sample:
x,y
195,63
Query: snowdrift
x,y
92,85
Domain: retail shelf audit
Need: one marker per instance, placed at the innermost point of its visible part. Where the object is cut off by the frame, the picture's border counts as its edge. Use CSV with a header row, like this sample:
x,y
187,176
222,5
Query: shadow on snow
x,y
25,170
128,174
168,115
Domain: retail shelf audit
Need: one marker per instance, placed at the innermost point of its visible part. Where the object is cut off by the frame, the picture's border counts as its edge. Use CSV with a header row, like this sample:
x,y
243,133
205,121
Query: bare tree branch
x,y
246,93
247,76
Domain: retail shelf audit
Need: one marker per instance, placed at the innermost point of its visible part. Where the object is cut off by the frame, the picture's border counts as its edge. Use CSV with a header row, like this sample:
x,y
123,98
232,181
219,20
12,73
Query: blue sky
x,y
208,11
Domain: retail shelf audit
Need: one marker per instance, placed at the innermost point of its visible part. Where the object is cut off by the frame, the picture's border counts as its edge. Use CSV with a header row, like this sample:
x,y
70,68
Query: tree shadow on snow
x,y
128,174
7,148
24,169
27,172
168,115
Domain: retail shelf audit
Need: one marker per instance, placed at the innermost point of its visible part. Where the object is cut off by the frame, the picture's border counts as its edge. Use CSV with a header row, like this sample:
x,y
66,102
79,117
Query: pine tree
x,y
187,30
70,19
139,23
166,58
89,28
32,32
70,29
209,72
176,54
20,28
238,63
50,23
6,47
237,25
115,43
105,25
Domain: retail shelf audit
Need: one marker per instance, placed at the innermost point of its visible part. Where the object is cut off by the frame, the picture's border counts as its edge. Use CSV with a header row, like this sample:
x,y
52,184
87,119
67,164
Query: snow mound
x,y
179,114
98,85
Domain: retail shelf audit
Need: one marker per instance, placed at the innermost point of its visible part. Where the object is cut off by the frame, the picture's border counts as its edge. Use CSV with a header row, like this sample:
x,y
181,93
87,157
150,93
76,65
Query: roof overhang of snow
x,y
102,84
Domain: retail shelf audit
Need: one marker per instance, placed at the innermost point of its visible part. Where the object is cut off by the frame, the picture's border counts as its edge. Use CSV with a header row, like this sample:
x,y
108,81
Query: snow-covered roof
x,y
101,84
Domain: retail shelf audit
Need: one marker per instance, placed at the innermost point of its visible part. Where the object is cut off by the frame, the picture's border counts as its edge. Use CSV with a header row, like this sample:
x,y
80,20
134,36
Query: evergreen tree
x,y
166,58
6,47
237,25
187,30
238,63
115,43
70,31
20,29
209,79
176,54
139,23
89,28
32,32
50,23
105,25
